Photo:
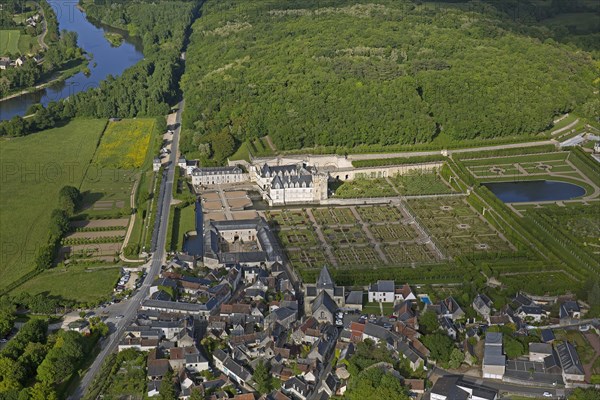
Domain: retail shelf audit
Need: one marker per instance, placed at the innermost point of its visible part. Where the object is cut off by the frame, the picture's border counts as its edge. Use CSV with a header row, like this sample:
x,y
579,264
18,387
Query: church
x,y
324,297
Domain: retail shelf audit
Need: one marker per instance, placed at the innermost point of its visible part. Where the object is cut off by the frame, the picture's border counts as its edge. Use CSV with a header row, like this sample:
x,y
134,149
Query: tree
x,y
428,322
7,315
512,347
196,394
167,390
374,383
82,314
456,358
42,391
68,199
262,377
585,394
439,345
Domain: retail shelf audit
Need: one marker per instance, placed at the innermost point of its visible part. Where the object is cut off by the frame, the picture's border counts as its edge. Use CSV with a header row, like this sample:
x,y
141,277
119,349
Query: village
x,y
229,318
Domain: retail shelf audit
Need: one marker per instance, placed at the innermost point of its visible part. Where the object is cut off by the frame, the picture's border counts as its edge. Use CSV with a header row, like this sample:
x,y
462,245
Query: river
x,y
106,59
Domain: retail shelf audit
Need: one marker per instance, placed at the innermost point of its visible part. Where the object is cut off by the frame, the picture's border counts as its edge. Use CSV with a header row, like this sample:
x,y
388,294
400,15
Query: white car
x,y
547,394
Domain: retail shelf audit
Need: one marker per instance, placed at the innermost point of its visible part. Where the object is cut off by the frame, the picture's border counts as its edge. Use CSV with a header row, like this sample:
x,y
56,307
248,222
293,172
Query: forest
x,y
326,73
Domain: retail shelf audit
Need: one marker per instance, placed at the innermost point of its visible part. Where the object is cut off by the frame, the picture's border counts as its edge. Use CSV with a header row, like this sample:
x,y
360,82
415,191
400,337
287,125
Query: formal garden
x,y
457,227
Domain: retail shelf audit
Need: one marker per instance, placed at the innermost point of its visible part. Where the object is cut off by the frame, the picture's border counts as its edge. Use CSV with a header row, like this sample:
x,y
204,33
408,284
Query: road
x,y
159,239
41,38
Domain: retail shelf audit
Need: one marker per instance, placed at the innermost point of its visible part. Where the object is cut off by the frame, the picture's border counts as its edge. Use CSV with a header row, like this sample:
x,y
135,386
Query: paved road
x,y
376,156
41,38
159,239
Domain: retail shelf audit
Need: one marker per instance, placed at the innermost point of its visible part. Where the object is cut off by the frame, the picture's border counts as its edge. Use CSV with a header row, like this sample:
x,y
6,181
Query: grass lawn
x,y
373,308
28,44
184,220
74,283
417,183
364,188
34,168
258,148
9,41
125,144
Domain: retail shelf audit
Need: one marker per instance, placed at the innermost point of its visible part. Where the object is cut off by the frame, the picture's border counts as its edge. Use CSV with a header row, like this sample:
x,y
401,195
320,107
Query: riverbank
x,y
65,74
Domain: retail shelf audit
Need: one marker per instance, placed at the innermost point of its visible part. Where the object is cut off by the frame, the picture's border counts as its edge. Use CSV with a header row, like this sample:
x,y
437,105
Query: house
x,y
283,316
494,362
382,292
569,309
455,388
153,388
404,293
297,388
4,62
324,308
195,362
570,363
539,351
81,326
231,368
354,301
547,336
200,310
156,164
531,313
483,306
289,184
177,358
415,385
447,325
208,176
450,308
187,165
157,369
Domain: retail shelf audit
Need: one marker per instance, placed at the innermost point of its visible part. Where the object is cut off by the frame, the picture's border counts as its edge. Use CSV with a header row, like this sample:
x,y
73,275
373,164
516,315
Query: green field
x,y
125,144
34,168
75,283
9,41
184,220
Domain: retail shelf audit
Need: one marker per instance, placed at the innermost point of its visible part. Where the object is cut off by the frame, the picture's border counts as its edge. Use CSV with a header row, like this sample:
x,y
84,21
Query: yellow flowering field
x,y
125,143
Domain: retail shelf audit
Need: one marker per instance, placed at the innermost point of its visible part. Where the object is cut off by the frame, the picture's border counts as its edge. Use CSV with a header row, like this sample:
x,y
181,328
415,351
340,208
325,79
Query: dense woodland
x,y
332,74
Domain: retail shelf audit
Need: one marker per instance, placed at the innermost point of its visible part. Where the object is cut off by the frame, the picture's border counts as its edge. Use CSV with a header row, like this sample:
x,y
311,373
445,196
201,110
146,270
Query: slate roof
x,y
355,297
569,359
158,367
325,281
481,301
567,308
547,335
302,181
492,354
323,299
382,286
542,348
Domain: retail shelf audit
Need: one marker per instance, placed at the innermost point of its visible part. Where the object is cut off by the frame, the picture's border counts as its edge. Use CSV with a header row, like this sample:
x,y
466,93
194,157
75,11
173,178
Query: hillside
x,y
341,73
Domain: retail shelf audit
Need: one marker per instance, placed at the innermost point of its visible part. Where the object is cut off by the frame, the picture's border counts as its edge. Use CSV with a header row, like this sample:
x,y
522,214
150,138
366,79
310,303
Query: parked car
x,y
547,394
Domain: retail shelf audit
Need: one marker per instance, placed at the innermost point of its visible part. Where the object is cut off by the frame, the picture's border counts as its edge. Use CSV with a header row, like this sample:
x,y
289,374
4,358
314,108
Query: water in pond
x,y
107,60
531,191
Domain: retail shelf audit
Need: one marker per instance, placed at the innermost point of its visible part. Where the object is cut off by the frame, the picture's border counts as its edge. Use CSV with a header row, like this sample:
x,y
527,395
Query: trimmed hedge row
x,y
397,161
